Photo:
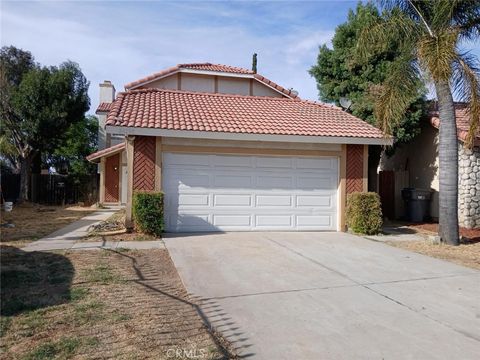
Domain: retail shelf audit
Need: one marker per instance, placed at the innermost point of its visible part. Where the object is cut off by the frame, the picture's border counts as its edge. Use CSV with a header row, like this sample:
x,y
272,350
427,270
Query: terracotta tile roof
x,y
463,121
266,81
210,67
103,107
182,110
107,151
215,67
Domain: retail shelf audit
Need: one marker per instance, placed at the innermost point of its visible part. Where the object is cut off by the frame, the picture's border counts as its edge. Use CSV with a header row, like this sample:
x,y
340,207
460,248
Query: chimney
x,y
107,95
107,92
254,63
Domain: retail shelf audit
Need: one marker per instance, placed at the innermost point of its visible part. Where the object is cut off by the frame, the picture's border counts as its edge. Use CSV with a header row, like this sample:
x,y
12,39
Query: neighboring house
x,y
231,150
418,160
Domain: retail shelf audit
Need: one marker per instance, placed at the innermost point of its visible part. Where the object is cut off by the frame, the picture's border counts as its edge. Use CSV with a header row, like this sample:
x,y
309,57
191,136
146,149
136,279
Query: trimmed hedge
x,y
147,211
364,213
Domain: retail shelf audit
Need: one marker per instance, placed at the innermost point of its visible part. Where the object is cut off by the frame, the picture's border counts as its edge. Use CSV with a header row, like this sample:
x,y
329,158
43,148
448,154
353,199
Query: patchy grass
x,y
99,304
466,254
134,236
63,348
33,221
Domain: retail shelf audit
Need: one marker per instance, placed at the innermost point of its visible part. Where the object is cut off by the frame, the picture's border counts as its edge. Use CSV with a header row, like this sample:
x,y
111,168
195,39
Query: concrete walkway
x,y
329,296
70,236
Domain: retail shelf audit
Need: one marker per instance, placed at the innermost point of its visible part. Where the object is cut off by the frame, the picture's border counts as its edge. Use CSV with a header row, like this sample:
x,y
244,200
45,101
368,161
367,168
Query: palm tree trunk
x,y
448,163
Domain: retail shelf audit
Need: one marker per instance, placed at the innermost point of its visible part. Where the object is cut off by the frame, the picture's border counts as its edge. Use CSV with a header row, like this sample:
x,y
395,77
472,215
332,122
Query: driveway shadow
x,y
33,280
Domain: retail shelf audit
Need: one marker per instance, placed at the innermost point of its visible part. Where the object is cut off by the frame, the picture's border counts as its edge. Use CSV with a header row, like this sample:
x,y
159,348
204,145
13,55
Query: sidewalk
x,y
70,236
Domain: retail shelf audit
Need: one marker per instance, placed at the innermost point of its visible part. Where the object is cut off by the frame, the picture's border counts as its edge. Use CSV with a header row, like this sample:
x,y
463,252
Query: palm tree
x,y
433,32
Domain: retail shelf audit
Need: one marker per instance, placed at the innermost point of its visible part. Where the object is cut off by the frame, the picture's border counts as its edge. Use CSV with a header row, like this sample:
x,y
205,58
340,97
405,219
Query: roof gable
x,y
211,69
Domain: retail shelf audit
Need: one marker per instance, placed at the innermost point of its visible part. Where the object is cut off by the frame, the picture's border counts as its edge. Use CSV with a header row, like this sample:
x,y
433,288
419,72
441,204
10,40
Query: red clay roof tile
x,y
182,110
105,152
103,107
463,121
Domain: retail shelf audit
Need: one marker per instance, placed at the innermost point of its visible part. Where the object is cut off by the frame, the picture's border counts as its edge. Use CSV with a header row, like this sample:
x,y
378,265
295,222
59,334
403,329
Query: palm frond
x,y
379,34
466,86
395,95
436,54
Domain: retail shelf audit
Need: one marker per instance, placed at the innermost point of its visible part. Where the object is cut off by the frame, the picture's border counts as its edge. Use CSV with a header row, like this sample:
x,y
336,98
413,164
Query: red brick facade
x,y
354,168
144,163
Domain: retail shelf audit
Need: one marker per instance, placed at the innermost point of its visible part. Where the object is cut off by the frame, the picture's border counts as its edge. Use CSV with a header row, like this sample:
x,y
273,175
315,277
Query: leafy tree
x,y
431,34
338,76
79,141
38,105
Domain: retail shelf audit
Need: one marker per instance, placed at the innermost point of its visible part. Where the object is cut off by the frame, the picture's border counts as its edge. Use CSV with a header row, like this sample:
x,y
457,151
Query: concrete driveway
x,y
329,296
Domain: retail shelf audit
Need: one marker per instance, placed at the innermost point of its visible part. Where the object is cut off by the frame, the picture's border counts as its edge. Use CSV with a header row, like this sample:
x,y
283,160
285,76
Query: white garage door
x,y
245,193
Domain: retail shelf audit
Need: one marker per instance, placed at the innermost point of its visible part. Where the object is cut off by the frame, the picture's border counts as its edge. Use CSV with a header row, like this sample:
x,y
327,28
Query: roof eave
x,y
216,135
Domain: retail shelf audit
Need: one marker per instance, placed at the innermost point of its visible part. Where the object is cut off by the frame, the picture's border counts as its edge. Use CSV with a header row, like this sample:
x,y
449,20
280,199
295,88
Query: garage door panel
x,y
232,220
314,220
270,221
186,181
243,193
232,181
193,200
232,200
317,164
274,182
273,200
314,201
315,183
273,162
232,161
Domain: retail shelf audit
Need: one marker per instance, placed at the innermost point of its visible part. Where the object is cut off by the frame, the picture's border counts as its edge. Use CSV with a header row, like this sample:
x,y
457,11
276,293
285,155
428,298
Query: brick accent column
x,y
144,163
355,168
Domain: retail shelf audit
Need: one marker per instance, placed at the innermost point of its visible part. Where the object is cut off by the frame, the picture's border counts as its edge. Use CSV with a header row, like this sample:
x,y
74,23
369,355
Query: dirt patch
x,y
33,221
469,235
133,236
466,254
101,305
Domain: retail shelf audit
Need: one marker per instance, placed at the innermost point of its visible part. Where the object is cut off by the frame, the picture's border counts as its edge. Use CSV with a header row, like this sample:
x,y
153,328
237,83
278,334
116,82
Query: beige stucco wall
x,y
213,84
170,82
420,159
233,86
251,144
262,90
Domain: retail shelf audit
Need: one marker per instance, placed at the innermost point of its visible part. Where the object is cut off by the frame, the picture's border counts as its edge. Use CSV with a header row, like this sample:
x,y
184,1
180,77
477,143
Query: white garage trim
x,y
205,192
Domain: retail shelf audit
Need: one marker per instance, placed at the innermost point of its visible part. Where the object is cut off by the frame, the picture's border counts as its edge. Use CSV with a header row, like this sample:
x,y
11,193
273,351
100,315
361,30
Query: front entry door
x,y
112,165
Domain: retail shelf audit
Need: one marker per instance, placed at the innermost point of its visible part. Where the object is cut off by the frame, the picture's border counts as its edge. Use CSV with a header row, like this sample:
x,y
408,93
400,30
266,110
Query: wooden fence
x,y
52,189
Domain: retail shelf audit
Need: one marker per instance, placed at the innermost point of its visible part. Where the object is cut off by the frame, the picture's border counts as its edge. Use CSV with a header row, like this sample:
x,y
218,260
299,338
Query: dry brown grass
x,y
100,305
33,221
467,254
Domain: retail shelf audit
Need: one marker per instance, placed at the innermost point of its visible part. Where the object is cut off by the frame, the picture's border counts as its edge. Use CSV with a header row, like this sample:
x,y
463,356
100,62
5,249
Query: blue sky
x,y
122,41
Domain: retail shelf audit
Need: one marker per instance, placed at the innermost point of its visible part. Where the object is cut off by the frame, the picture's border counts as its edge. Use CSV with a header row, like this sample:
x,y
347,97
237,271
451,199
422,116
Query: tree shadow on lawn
x,y
33,280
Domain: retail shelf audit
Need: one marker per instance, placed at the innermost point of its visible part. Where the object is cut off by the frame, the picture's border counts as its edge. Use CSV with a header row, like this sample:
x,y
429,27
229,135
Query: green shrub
x,y
148,212
364,213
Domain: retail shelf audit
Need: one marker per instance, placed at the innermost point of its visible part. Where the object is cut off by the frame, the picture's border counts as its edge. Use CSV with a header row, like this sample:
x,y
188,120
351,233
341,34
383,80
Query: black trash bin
x,y
417,204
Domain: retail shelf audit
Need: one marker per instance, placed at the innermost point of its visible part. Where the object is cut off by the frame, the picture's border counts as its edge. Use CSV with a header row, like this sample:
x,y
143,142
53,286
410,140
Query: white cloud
x,y
122,42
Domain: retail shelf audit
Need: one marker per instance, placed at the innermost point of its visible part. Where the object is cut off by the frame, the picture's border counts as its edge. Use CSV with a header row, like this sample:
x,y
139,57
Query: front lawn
x,y
33,221
466,254
99,304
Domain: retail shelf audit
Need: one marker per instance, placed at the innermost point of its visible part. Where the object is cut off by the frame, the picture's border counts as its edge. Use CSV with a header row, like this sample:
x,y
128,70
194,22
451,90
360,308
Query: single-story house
x,y
417,164
231,150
